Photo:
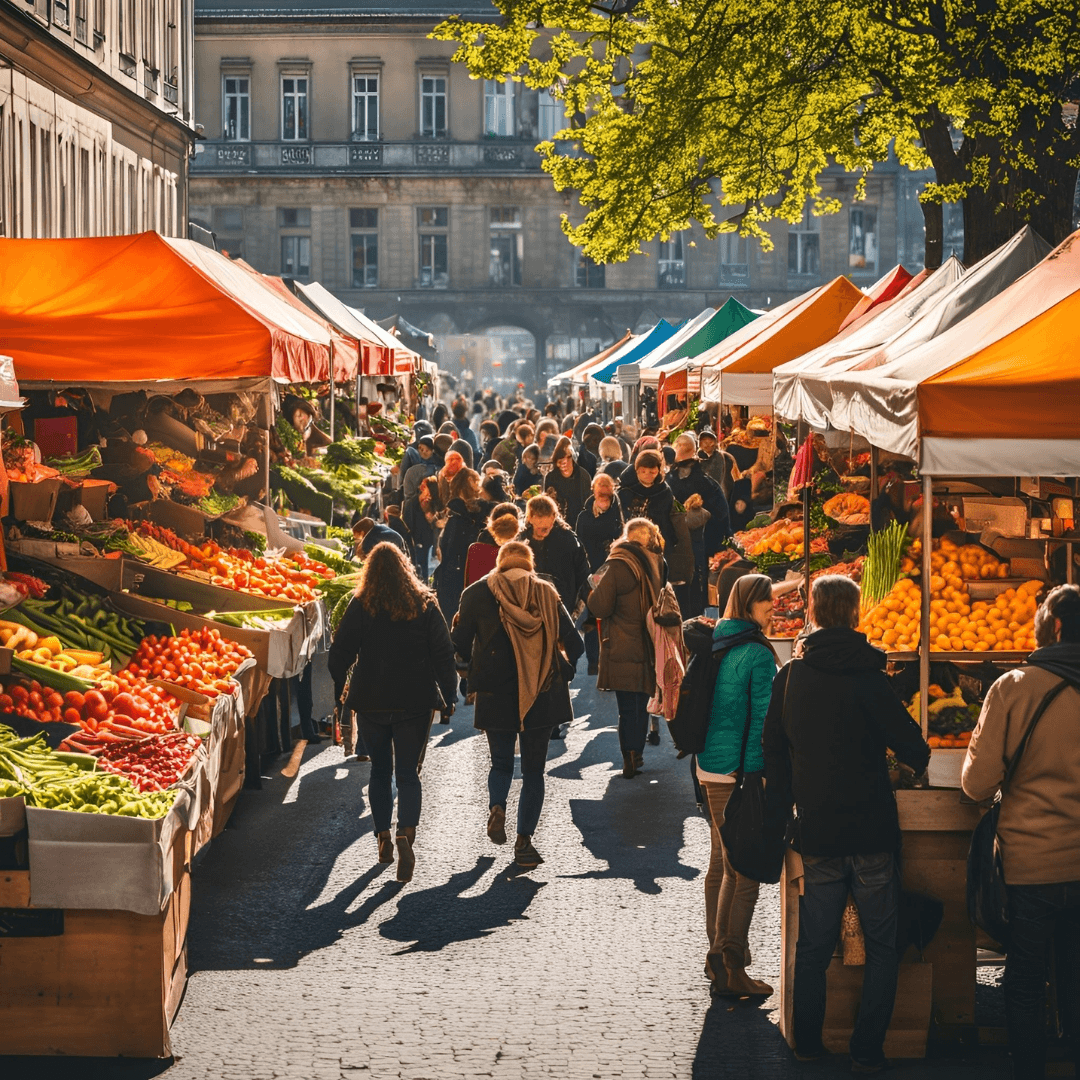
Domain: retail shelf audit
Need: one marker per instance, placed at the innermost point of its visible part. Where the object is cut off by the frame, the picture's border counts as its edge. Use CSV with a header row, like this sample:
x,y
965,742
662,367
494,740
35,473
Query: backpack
x,y
691,723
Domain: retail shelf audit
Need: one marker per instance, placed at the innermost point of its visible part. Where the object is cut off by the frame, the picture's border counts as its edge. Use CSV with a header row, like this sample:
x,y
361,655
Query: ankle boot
x,y
629,767
386,846
406,858
738,982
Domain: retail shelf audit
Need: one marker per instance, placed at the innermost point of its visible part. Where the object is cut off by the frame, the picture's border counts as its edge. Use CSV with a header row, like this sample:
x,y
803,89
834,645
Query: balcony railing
x,y
349,156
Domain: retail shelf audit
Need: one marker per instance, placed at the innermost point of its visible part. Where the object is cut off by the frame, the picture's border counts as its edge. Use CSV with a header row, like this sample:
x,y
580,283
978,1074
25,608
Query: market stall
x,y
997,455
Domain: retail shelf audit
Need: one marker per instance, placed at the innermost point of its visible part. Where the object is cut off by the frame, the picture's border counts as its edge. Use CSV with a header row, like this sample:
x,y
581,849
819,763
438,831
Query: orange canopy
x,y
881,292
145,309
745,375
1025,384
346,349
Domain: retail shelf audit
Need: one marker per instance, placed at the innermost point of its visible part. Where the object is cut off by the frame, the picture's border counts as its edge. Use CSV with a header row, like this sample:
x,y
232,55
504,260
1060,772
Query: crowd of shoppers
x,y
556,536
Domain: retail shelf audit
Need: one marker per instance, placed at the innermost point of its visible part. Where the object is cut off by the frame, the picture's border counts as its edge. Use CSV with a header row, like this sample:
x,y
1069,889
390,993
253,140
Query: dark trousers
x,y
1042,918
301,687
534,749
396,742
420,560
874,882
633,719
587,628
693,594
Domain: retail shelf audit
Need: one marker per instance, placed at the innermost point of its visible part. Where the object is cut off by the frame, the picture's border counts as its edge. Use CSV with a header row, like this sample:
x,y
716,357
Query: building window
x,y
296,256
365,108
80,20
590,275
126,20
671,265
862,240
549,116
498,107
172,44
433,106
61,14
294,108
804,246
99,22
734,260
237,97
506,246
364,242
228,226
433,223
84,193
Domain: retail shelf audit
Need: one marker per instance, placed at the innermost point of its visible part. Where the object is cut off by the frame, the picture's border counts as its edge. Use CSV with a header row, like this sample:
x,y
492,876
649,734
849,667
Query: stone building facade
x,y
341,144
96,126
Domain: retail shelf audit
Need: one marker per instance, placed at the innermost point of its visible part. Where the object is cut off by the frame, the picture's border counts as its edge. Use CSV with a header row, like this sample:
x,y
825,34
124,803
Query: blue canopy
x,y
639,348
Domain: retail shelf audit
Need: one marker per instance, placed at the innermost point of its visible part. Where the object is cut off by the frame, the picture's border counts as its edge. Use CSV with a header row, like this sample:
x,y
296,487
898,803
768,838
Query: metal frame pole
x,y
924,630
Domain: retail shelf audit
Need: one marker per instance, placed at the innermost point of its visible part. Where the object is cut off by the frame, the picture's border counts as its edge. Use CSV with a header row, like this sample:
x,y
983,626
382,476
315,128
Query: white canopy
x,y
826,395
851,345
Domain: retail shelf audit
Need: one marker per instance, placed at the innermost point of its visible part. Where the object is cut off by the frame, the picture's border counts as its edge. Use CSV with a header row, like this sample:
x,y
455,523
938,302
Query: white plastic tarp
x,y
854,344
882,404
831,397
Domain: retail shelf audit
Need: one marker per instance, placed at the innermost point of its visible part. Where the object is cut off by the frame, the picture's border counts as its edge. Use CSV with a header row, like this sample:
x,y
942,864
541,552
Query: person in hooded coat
x,y
629,582
1038,826
467,514
465,449
527,474
489,437
690,485
644,493
567,483
589,450
508,634
831,716
598,526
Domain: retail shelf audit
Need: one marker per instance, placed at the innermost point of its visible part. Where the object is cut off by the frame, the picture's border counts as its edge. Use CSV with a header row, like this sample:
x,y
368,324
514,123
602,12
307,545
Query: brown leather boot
x,y
738,982
406,859
386,846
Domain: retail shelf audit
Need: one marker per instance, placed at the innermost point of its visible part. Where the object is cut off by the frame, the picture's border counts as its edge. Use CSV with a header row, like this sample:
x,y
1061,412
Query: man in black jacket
x,y
686,479
832,715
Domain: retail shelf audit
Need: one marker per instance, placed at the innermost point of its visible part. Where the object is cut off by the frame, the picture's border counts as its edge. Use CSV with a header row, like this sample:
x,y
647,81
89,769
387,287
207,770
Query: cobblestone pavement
x,y
309,961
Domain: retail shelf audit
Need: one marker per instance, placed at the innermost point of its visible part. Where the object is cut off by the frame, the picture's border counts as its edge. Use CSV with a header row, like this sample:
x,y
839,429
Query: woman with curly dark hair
x,y
395,635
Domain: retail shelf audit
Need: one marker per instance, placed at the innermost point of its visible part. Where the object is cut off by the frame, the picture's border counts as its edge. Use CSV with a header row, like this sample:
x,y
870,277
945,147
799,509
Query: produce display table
x,y
937,987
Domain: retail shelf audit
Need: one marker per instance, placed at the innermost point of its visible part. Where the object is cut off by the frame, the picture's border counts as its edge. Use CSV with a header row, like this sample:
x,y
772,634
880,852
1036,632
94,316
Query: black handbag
x,y
753,838
987,898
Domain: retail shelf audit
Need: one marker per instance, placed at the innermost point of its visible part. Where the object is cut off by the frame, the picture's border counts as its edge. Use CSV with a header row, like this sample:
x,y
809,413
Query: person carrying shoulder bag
x,y
832,716
1038,828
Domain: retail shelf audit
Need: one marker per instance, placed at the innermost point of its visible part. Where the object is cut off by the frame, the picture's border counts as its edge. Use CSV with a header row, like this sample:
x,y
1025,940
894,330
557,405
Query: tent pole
x,y
266,454
927,570
873,482
331,394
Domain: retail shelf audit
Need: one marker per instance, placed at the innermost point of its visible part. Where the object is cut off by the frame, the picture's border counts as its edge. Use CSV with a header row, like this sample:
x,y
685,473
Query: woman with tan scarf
x,y
519,646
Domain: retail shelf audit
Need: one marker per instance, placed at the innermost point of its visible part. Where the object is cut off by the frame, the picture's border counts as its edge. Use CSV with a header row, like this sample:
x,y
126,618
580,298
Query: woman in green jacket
x,y
743,685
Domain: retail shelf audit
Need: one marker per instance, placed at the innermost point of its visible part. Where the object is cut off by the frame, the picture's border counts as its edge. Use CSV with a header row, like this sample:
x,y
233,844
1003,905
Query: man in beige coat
x,y
1039,825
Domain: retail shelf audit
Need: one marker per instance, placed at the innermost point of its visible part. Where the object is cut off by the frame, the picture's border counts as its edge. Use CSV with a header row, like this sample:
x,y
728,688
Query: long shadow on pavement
x,y
431,919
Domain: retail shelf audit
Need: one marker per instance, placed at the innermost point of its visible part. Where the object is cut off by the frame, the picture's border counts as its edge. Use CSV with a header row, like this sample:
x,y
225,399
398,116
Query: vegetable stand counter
x,y
937,987
92,983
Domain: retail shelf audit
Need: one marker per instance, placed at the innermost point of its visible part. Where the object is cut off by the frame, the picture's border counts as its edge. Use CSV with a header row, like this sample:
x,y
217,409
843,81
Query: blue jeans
x,y
1041,918
874,882
534,749
396,742
633,720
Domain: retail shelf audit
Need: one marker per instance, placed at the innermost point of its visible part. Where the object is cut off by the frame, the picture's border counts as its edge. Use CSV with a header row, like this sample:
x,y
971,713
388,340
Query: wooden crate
x,y
108,986
910,1024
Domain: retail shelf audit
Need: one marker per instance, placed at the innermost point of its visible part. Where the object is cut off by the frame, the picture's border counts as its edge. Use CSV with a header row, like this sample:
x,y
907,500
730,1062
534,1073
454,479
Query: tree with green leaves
x,y
726,112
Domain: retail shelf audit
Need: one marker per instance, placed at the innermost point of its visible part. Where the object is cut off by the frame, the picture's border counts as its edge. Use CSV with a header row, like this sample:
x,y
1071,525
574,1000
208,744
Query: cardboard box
x,y
103,861
108,573
946,764
1006,516
187,521
33,502
12,815
94,496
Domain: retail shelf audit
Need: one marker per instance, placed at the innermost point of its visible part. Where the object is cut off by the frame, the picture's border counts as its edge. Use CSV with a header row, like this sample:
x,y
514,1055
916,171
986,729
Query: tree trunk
x,y
934,229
